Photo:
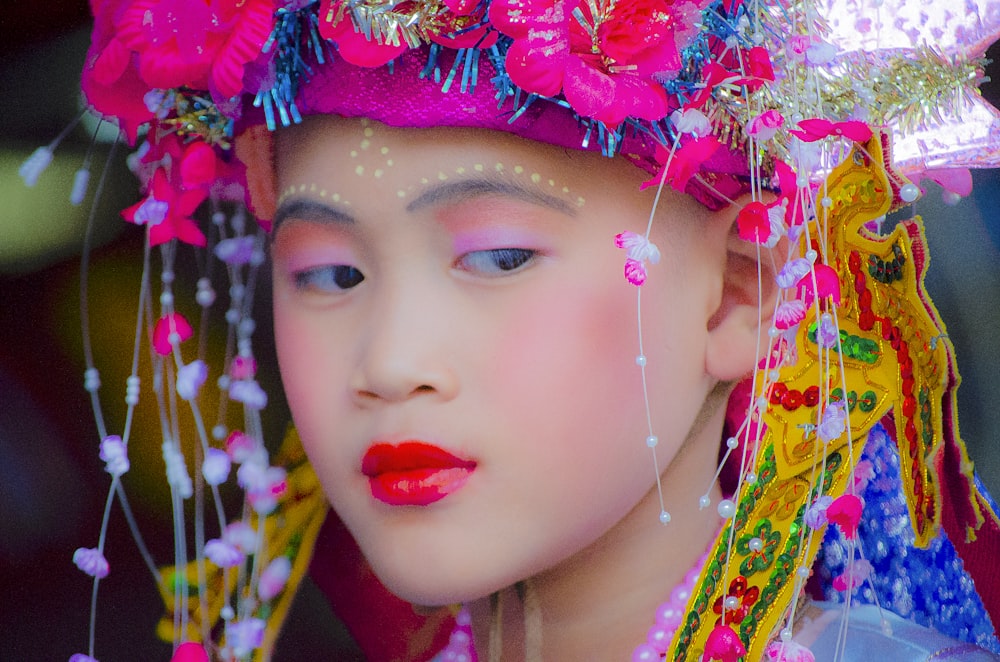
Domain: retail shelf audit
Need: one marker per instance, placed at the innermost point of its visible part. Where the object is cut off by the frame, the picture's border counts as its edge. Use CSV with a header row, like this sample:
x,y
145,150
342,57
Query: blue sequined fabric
x,y
928,586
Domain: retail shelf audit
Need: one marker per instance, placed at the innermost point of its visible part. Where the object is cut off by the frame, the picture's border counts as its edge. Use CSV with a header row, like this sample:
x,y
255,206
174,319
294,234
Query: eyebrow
x,y
466,189
314,211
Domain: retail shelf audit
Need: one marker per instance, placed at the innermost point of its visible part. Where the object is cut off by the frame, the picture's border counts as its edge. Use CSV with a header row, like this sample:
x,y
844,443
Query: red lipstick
x,y
413,473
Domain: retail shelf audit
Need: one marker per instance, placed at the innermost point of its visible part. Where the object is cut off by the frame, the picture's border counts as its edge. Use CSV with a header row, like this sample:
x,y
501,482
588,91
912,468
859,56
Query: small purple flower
x,y
190,379
834,421
827,334
91,561
793,272
80,657
815,517
245,636
241,536
236,250
114,455
177,473
263,485
249,393
273,579
216,466
223,554
151,212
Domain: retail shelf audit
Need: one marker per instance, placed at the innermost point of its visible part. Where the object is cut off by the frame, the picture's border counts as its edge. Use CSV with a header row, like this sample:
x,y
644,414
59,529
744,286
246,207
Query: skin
x,y
530,372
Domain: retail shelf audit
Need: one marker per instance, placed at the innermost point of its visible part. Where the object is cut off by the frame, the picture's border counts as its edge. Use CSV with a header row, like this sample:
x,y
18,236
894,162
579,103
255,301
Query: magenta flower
x,y
606,65
761,224
168,212
827,284
170,327
639,249
845,512
91,561
240,446
724,644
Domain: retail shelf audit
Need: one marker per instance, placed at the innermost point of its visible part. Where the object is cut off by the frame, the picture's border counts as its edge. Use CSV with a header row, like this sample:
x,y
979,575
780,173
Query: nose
x,y
405,350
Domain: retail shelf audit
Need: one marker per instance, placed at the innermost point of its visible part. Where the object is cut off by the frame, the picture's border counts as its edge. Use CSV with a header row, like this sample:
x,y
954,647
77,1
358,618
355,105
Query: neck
x,y
600,603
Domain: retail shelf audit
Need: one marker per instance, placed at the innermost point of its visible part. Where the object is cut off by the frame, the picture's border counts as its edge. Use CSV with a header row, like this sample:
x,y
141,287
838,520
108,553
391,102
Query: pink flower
x,y
760,224
353,45
796,47
691,120
817,128
863,473
827,285
845,512
723,644
639,249
168,211
685,162
243,367
198,165
765,125
200,44
273,579
241,536
789,313
788,651
264,485
857,573
606,65
167,328
91,561
240,446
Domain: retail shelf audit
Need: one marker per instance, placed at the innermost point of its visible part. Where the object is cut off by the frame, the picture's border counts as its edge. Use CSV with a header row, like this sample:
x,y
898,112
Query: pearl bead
x,y
803,572
909,192
166,298
732,443
755,544
664,517
727,509
167,276
762,402
227,612
640,360
219,432
751,477
786,635
826,201
811,255
704,502
801,181
773,375
732,602
773,332
651,441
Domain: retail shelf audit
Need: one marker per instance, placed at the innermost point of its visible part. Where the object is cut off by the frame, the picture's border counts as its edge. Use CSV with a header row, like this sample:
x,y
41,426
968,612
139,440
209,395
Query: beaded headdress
x,y
838,107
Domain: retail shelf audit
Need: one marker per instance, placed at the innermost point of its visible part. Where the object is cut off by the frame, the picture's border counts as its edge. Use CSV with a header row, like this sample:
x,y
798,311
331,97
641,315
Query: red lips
x,y
413,473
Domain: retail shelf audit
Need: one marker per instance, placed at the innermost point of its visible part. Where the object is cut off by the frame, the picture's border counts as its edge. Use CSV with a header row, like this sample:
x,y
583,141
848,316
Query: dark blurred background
x,y
52,484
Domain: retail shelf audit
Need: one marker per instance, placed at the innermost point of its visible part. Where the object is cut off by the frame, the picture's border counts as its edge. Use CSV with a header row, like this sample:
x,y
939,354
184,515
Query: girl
x,y
498,416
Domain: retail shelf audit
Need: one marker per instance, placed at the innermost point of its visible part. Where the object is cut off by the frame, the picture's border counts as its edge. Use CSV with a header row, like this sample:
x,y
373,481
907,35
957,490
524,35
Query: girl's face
x,y
458,345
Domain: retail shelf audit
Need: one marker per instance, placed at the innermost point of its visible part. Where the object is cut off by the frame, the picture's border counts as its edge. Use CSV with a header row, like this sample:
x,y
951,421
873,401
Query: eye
x,y
328,279
496,261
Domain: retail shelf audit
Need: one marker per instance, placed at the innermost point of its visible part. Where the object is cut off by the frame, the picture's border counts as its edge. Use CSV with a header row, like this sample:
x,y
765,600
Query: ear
x,y
738,328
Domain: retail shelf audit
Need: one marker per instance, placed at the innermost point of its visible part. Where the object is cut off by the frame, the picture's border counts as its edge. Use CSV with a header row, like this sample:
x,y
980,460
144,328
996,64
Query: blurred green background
x,y
52,485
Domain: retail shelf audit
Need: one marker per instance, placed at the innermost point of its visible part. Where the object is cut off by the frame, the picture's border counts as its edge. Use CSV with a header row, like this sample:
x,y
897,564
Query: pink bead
x,y
680,595
645,653
659,638
668,616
